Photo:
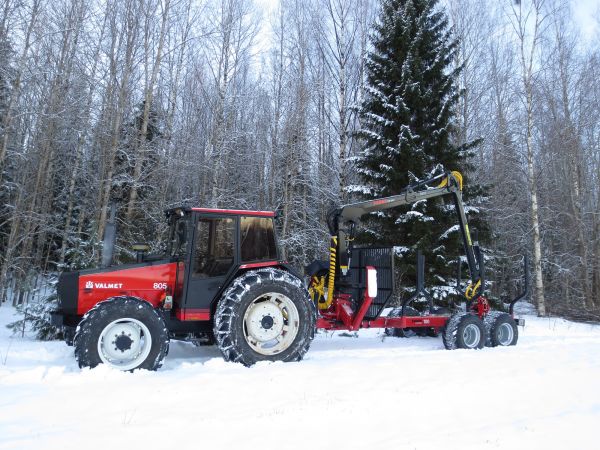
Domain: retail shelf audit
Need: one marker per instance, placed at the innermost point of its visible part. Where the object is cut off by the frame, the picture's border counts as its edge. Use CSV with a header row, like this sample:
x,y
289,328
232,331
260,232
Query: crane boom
x,y
342,222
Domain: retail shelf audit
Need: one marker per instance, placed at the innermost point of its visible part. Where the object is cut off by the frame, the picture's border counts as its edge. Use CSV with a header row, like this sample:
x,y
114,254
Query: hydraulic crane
x,y
340,288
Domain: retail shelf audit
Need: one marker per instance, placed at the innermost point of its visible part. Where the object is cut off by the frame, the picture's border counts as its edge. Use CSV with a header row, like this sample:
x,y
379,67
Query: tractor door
x,y
212,259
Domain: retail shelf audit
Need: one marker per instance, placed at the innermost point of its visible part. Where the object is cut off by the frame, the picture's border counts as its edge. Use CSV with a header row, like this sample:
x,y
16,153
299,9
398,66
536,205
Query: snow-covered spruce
x,y
501,329
124,332
36,317
265,315
464,330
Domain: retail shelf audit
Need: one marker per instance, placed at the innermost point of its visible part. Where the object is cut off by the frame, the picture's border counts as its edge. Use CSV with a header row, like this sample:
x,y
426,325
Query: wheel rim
x,y
505,334
471,335
124,343
271,323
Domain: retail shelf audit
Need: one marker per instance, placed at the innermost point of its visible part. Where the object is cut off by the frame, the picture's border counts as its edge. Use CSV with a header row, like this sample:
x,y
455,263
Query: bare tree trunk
x,y
141,141
11,246
80,147
527,65
596,274
132,25
340,57
537,246
178,63
16,89
277,99
38,203
572,148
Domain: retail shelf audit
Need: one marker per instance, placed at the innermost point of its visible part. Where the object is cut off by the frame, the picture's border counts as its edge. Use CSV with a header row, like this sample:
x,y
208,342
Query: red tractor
x,y
222,281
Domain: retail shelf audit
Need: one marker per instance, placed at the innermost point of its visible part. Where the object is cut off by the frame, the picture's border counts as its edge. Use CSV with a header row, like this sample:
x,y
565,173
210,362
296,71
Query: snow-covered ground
x,y
350,392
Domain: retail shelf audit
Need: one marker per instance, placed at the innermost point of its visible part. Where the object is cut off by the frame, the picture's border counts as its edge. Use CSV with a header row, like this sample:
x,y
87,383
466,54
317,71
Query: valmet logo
x,y
92,285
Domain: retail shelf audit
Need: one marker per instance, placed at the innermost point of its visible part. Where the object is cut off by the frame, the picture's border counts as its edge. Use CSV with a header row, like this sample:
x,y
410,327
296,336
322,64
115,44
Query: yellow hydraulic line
x,y
456,175
317,288
331,280
468,234
472,290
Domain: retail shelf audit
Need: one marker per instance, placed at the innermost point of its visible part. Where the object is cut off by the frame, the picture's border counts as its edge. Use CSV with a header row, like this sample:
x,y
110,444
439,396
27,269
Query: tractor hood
x,y
79,291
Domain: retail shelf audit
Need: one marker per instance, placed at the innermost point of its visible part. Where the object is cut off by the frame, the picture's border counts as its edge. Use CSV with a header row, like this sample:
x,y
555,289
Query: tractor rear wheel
x,y
265,315
464,330
123,332
501,329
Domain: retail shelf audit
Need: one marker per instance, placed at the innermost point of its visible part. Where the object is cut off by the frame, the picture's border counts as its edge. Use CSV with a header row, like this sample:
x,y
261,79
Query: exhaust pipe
x,y
108,241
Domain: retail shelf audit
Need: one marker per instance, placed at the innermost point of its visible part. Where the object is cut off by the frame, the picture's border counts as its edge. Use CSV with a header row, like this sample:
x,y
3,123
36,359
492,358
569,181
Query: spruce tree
x,y
408,131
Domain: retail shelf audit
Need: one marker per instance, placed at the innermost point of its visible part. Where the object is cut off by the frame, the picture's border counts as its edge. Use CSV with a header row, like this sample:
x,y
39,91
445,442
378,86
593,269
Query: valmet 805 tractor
x,y
222,280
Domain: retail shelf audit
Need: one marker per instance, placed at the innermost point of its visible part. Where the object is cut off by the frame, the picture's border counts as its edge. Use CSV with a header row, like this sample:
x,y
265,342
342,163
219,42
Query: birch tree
x,y
527,22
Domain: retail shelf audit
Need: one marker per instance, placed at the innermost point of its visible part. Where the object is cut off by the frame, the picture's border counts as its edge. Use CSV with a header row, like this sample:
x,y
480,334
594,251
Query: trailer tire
x,y
265,315
122,316
464,330
402,332
501,329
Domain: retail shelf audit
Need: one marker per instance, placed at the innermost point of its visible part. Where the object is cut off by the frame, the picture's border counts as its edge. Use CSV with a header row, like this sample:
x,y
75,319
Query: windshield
x,y
177,237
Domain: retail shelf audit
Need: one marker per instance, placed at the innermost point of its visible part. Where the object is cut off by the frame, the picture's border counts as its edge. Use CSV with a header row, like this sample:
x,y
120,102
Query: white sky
x,y
586,14
268,9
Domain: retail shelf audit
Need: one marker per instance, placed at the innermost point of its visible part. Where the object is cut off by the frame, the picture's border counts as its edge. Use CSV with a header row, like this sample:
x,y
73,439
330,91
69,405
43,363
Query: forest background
x,y
232,103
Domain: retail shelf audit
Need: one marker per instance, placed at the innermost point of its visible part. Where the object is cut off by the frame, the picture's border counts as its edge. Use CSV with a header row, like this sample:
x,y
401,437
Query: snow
x,y
364,392
452,229
409,215
358,188
399,250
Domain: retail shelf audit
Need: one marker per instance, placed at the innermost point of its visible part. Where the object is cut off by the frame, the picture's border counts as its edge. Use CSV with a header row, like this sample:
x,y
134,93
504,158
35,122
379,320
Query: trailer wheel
x,y
265,315
501,329
402,332
123,332
464,330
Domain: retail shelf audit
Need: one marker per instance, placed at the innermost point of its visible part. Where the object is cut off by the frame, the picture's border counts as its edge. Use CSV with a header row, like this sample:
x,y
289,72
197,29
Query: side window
x,y
257,239
213,249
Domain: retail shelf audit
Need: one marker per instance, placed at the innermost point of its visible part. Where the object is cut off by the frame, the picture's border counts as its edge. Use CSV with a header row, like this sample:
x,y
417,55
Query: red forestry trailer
x,y
222,281
338,286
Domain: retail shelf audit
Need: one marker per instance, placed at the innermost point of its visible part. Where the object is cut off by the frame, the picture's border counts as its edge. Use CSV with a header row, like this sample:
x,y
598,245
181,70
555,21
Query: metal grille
x,y
355,283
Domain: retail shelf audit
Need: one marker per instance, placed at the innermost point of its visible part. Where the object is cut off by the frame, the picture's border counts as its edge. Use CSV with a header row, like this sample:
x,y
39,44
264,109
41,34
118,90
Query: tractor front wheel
x,y
123,332
265,315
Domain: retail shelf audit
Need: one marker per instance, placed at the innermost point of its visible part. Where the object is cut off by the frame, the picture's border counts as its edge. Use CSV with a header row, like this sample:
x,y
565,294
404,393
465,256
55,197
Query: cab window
x,y
257,239
214,247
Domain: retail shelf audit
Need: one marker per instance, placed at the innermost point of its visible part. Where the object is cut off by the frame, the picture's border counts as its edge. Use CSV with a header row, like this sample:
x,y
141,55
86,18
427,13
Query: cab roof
x,y
235,212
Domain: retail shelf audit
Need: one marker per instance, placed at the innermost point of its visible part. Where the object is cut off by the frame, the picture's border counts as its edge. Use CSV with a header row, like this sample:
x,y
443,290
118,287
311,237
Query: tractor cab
x,y
211,247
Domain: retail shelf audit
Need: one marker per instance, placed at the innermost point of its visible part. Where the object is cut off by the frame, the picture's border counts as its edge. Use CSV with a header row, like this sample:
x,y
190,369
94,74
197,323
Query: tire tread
x,y
228,310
